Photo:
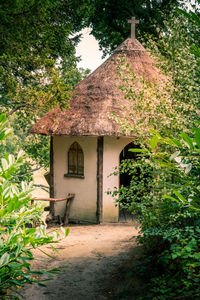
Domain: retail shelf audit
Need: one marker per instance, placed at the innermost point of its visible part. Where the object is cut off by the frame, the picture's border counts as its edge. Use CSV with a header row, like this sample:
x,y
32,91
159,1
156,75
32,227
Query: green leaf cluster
x,y
172,51
167,205
38,65
109,19
17,239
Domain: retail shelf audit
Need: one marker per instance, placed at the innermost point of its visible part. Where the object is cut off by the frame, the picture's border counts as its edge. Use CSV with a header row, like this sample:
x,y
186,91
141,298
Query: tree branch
x,y
15,109
43,187
187,296
33,170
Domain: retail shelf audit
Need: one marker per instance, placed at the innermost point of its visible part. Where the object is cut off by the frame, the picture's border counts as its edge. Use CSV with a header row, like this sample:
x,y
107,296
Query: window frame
x,y
73,161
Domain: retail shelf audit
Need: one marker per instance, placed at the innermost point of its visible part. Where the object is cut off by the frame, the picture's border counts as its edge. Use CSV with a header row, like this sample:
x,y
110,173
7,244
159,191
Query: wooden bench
x,y
68,200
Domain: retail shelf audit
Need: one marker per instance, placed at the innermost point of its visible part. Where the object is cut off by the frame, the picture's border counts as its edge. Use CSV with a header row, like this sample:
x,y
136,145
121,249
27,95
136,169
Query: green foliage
x,y
170,104
34,35
185,165
165,197
140,173
150,105
16,214
175,232
38,64
193,17
109,19
172,52
168,211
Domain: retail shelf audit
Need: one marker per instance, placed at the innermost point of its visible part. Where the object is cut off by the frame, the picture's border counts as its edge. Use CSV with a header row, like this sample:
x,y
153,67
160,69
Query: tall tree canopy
x,y
38,66
33,35
108,19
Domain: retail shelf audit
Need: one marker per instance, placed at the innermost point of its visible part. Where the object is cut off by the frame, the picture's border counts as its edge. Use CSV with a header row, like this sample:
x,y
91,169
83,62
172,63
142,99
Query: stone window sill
x,y
74,175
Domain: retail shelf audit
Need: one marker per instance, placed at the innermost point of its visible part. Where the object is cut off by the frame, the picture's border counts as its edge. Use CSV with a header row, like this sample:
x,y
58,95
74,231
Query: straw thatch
x,y
98,96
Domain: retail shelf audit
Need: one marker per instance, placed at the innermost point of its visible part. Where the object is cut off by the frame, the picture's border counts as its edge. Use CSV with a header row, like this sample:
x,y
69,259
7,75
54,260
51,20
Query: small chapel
x,y
87,143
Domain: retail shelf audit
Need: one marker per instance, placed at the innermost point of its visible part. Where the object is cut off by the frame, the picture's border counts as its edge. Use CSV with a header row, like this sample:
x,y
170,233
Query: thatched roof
x,y
98,96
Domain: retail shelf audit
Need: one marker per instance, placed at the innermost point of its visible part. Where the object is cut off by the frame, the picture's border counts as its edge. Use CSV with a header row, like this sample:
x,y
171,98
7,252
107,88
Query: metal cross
x,y
133,21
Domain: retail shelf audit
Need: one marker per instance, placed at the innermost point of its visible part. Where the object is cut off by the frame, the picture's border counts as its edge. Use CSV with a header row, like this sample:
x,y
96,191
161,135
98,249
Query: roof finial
x,y
133,21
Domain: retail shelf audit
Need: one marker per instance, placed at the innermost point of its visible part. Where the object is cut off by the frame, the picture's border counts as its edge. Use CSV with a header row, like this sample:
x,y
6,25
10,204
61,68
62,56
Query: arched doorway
x,y
124,180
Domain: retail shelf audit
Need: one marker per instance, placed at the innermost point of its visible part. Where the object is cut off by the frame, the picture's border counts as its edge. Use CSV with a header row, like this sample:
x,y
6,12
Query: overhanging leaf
x,y
4,259
154,132
171,198
180,196
197,136
138,150
187,139
153,142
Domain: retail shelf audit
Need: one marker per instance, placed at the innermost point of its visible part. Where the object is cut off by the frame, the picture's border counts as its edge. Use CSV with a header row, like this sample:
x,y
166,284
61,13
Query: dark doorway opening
x,y
124,180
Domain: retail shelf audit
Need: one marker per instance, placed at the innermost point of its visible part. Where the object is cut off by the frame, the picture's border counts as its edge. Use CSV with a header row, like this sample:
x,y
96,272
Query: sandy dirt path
x,y
89,255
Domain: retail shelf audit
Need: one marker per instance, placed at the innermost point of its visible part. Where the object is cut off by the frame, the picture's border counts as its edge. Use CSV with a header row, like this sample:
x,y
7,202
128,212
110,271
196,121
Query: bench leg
x,y
66,215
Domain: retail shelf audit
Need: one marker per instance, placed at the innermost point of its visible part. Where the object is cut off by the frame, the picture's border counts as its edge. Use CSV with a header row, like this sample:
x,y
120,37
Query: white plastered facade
x,y
112,149
84,205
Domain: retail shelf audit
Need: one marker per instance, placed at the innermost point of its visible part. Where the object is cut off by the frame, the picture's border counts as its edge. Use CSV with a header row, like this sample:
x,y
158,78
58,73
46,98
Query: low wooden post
x,y
67,209
68,200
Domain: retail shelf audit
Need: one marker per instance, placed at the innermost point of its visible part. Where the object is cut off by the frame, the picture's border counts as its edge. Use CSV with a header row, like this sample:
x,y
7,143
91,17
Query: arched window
x,y
75,160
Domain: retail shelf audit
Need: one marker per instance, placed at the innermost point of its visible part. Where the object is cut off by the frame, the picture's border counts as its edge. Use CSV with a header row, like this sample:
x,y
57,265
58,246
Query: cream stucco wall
x,y
84,205
112,148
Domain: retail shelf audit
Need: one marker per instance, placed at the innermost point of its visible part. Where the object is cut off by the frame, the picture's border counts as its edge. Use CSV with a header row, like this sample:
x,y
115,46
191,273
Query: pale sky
x,y
88,49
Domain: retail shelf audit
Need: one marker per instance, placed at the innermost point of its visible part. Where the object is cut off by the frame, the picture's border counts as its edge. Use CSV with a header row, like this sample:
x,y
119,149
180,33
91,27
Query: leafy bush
x,y
170,219
16,239
140,173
